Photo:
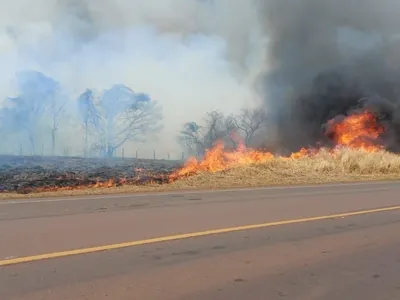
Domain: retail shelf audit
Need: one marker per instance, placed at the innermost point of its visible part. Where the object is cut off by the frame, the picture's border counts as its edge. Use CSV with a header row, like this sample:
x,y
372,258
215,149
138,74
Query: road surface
x,y
319,242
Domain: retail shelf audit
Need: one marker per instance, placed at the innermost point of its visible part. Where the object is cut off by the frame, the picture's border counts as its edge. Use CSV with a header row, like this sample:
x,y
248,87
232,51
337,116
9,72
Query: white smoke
x,y
191,56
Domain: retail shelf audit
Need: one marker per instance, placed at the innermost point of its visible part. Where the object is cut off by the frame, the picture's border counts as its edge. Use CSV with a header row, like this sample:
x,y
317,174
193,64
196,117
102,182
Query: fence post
x,y
154,154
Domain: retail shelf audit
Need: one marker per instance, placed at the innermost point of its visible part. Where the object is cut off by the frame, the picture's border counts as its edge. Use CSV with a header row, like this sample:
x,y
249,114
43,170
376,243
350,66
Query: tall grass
x,y
326,166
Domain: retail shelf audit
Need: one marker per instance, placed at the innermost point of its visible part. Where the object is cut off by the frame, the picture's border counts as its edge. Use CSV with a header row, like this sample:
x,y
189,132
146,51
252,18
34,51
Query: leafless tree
x,y
191,138
249,122
57,111
121,115
198,138
231,129
89,115
38,96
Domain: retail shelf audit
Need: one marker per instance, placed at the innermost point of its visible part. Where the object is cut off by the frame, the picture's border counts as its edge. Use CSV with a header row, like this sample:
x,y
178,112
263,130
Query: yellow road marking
x,y
26,259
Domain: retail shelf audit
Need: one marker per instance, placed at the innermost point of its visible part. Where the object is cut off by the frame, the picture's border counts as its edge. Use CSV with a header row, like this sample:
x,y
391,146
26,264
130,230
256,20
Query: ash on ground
x,y
26,174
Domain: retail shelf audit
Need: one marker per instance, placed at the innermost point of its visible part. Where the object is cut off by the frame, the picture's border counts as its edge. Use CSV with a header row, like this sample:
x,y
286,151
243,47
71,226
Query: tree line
x,y
108,119
244,127
103,121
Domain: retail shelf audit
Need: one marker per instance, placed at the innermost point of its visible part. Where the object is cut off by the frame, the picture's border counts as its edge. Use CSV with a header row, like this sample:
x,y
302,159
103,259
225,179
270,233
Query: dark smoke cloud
x,y
327,59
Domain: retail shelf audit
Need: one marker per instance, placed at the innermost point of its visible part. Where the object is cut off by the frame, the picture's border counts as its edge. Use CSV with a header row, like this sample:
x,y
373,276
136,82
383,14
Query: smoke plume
x,y
313,60
327,59
191,56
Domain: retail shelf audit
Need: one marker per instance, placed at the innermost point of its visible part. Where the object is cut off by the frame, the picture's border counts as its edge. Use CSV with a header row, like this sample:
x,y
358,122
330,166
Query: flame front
x,y
358,131
217,159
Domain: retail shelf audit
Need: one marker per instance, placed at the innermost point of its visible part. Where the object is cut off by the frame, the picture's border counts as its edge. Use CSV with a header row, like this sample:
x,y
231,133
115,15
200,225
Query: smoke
x,y
313,60
191,56
327,59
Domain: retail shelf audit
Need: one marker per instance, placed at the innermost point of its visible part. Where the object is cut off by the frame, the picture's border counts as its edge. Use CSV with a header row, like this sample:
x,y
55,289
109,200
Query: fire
x,y
303,152
358,131
217,159
108,183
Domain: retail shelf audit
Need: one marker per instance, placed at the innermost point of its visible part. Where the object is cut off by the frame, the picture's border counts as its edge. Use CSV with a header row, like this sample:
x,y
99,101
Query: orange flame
x,y
358,131
108,183
301,153
217,159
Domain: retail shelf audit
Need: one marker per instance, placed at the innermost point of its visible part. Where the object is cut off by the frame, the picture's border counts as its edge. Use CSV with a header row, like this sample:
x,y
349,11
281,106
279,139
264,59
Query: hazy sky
x,y
191,56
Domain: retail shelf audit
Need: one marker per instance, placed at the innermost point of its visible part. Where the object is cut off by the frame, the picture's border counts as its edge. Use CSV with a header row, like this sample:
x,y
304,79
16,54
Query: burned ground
x,y
25,174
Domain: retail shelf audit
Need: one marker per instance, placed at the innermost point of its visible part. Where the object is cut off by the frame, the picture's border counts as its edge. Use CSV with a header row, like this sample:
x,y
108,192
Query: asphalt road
x,y
327,242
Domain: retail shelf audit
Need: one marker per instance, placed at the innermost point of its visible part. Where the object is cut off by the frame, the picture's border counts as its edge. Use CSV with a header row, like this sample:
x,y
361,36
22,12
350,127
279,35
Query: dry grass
x,y
343,166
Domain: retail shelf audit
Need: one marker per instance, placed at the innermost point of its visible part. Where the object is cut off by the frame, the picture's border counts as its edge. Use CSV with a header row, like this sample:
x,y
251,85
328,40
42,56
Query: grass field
x,y
342,165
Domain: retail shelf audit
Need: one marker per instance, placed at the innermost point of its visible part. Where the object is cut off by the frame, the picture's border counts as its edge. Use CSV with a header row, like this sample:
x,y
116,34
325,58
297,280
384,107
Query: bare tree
x,y
249,122
232,129
214,129
23,117
57,111
192,139
120,115
196,139
89,114
37,92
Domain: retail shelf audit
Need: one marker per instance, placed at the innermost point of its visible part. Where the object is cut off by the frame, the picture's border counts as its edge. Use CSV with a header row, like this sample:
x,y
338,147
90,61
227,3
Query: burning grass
x,y
358,155
344,164
326,166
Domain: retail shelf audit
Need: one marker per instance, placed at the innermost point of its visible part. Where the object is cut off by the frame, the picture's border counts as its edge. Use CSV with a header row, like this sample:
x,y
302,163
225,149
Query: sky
x,y
190,56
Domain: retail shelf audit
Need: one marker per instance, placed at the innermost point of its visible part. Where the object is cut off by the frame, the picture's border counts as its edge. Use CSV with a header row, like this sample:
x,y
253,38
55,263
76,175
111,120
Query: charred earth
x,y
26,174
